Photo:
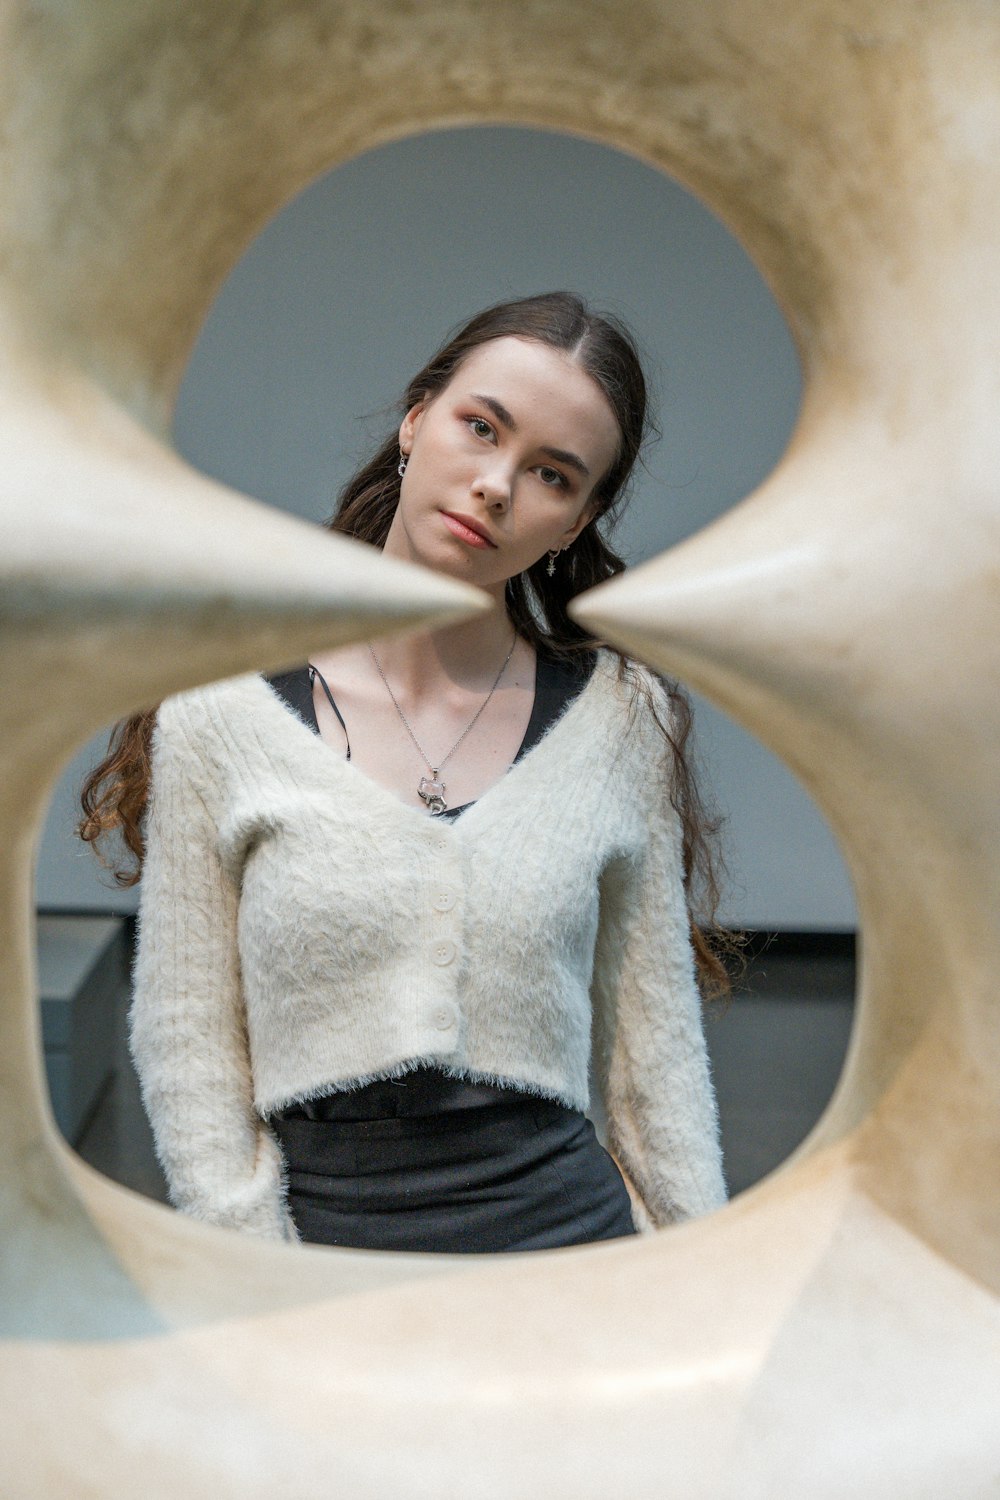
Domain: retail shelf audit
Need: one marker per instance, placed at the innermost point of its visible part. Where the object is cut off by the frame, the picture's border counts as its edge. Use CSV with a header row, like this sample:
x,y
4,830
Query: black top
x,y
426,1090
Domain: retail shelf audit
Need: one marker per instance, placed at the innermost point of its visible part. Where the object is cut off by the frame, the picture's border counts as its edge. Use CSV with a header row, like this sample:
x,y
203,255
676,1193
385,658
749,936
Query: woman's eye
x,y
481,427
551,476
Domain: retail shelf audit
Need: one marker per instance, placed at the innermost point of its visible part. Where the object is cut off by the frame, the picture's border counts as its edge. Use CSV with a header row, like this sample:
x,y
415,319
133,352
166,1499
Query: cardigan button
x,y
445,1017
443,901
444,954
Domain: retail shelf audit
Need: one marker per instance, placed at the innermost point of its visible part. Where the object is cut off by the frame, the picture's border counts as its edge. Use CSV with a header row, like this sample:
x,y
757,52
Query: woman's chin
x,y
460,562
450,557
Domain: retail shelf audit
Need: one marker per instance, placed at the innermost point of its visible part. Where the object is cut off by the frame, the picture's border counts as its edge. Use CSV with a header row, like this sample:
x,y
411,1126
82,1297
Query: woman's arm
x,y
650,1059
187,1028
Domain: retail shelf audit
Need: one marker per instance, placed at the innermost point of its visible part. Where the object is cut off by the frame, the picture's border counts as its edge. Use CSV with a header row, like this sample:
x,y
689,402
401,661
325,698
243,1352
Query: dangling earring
x,y
401,467
551,568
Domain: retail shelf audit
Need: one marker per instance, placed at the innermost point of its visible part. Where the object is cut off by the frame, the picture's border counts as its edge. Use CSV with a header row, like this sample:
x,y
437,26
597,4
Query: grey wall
x,y
348,290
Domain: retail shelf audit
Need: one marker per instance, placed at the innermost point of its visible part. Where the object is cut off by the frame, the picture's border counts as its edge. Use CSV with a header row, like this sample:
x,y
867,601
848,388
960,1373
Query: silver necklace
x,y
432,789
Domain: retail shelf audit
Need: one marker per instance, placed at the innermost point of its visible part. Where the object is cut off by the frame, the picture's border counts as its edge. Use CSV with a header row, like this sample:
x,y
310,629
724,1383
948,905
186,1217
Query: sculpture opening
x,y
303,344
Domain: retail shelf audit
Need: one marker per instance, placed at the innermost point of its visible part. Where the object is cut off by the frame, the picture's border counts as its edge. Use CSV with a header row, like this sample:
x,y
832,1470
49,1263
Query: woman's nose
x,y
493,486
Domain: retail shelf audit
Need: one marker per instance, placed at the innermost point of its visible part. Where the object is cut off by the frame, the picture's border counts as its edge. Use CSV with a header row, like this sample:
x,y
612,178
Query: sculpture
x,y
838,1326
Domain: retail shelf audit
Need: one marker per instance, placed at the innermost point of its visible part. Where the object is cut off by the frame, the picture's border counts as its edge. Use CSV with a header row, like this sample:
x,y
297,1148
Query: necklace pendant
x,y
431,790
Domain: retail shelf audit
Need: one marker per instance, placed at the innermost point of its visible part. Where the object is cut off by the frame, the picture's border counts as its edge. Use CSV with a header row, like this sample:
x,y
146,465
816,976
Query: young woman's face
x,y
502,463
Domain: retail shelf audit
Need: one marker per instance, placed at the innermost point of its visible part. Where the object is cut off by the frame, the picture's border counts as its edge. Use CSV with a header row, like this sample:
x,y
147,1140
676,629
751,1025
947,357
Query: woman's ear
x,y
584,519
408,426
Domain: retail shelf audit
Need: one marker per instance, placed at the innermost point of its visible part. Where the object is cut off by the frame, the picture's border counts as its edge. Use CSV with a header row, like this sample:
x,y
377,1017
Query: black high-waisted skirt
x,y
526,1174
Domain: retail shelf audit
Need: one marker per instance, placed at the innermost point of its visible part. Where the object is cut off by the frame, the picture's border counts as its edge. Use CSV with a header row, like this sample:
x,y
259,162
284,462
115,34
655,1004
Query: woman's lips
x,y
464,532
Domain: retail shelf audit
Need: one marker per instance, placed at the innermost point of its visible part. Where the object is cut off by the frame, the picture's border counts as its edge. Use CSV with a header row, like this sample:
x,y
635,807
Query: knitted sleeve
x,y
650,1058
187,1027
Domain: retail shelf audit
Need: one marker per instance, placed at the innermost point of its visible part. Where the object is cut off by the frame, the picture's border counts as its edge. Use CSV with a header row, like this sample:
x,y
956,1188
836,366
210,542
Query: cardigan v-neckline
x,y
295,697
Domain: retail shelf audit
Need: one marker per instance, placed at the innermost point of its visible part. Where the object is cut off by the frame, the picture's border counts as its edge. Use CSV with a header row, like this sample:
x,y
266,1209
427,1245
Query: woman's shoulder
x,y
635,690
639,715
199,714
207,739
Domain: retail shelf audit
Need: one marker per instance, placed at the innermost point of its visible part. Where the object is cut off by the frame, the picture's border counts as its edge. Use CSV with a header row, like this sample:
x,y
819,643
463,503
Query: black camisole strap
x,y
315,672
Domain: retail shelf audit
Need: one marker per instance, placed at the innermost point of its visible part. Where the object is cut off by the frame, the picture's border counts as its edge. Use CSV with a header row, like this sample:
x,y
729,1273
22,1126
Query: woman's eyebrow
x,y
500,412
571,460
503,415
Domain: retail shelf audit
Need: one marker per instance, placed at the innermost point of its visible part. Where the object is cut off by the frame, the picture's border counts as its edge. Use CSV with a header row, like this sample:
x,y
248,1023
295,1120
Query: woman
x,y
397,904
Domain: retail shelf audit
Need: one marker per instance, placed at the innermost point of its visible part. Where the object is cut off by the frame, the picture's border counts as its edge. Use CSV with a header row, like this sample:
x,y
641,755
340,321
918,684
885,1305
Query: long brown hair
x,y
114,794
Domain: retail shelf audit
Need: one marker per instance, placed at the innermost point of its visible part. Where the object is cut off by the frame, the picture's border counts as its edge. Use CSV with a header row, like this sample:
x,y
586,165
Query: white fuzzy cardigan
x,y
301,929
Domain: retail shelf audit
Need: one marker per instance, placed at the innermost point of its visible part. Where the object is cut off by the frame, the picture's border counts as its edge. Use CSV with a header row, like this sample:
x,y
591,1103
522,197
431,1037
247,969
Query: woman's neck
x,y
467,655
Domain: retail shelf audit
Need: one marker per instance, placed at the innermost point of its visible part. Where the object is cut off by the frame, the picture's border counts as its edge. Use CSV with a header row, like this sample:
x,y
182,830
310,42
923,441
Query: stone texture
x,y
838,1328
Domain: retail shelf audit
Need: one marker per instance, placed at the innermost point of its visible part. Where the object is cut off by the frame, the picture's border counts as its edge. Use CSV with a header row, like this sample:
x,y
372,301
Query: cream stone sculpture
x,y
836,1330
